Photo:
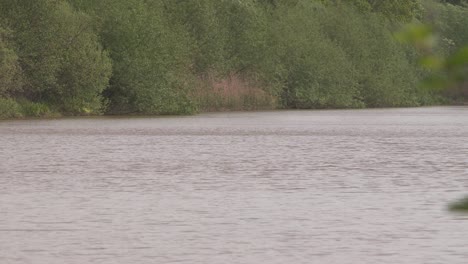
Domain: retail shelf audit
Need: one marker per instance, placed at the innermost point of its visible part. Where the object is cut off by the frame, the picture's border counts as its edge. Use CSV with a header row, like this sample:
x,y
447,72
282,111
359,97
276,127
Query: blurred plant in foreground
x,y
446,72
461,205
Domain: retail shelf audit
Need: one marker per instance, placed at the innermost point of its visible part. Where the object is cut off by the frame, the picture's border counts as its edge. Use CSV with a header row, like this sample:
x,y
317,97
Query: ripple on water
x,y
362,186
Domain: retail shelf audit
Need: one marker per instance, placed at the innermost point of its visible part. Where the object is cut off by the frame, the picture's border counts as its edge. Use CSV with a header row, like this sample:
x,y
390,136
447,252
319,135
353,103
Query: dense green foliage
x,y
58,55
170,57
442,45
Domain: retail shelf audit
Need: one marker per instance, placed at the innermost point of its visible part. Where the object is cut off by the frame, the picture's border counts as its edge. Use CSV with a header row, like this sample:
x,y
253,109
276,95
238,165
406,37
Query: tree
x,y
10,71
456,2
151,58
395,10
58,51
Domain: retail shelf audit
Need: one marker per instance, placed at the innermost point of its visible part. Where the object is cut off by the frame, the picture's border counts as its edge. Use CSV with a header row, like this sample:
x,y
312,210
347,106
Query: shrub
x,y
9,108
30,109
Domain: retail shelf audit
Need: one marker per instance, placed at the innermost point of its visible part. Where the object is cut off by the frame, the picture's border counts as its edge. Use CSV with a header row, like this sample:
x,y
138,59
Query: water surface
x,y
354,186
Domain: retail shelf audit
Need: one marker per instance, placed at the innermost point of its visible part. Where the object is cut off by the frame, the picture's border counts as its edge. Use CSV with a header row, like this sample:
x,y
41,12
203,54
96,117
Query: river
x,y
337,186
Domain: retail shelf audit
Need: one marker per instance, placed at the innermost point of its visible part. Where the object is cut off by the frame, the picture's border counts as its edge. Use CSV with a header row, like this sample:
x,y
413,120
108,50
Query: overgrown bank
x,y
80,57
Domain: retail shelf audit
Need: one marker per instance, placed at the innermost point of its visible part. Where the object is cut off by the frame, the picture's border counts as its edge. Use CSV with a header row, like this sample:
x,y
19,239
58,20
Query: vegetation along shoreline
x,y
135,57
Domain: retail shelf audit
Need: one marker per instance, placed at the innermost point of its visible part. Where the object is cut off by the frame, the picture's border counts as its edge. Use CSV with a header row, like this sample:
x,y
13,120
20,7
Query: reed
x,y
232,93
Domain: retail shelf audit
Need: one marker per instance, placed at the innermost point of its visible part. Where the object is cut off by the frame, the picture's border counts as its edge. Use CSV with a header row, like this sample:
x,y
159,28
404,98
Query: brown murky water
x,y
362,186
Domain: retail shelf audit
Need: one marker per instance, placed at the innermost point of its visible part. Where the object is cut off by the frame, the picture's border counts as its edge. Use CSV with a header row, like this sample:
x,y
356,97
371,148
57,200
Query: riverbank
x,y
49,115
16,109
12,110
213,57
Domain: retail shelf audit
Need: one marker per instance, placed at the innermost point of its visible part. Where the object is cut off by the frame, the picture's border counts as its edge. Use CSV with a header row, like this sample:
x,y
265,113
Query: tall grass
x,y
231,93
10,108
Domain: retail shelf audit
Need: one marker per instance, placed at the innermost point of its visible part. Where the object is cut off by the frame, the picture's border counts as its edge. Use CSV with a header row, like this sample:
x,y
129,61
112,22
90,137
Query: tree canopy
x,y
171,57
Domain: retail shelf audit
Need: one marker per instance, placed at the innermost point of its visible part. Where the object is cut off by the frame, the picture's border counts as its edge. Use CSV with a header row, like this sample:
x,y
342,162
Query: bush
x,y
9,108
30,109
